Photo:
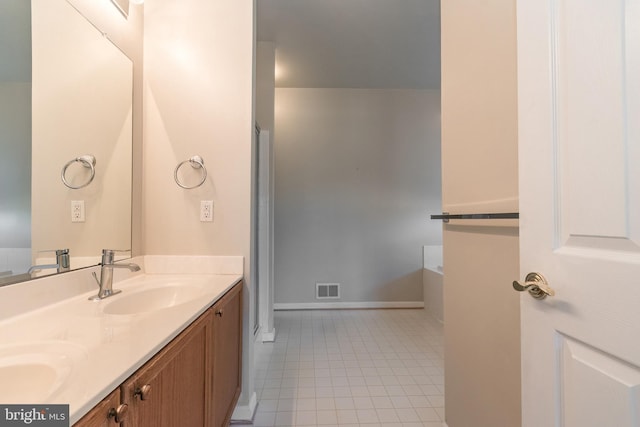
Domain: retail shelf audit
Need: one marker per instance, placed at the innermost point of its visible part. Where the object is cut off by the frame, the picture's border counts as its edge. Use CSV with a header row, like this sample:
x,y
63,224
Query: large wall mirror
x,y
65,104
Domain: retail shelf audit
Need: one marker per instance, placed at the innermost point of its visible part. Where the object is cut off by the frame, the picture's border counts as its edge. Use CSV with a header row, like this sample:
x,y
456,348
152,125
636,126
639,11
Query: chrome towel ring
x,y
196,163
86,160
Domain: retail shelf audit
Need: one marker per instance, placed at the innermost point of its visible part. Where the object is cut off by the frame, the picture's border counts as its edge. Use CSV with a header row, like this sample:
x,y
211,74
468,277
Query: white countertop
x,y
93,351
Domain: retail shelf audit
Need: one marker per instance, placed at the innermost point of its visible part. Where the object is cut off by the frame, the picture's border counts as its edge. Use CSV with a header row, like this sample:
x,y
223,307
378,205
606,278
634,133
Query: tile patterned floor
x,y
351,368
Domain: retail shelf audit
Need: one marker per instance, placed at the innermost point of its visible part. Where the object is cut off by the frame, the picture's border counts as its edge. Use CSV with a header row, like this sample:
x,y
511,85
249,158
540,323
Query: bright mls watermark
x,y
34,415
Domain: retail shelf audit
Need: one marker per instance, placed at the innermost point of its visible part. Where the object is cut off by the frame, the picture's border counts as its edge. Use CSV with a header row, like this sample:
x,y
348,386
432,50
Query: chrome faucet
x,y
62,262
106,275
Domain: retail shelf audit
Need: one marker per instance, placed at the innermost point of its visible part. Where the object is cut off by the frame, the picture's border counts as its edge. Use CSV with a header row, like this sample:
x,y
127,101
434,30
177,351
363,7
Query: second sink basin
x,y
34,372
151,299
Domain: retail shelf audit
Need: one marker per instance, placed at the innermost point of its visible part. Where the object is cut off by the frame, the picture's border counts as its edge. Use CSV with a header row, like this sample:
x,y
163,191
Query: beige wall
x,y
198,100
198,92
482,327
479,120
479,155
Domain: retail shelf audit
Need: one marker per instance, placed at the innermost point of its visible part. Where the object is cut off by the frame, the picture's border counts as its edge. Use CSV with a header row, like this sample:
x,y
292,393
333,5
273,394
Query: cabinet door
x,y
106,413
227,354
169,390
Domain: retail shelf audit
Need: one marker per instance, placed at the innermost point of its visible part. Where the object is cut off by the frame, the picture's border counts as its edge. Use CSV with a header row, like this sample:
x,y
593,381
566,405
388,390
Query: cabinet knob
x,y
119,414
142,392
219,313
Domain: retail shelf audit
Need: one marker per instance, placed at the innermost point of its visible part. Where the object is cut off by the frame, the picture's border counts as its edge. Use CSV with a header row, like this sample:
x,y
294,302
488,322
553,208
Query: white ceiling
x,y
354,43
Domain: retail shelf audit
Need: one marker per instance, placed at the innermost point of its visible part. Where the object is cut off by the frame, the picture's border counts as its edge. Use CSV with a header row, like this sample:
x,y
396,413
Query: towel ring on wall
x,y
86,160
196,163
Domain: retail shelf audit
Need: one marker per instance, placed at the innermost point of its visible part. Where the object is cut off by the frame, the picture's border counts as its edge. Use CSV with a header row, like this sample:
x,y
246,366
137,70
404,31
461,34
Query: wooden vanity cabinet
x,y
194,381
227,355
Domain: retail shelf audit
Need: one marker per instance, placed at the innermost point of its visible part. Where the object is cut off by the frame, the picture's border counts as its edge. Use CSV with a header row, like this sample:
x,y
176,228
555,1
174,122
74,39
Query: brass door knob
x,y
119,414
143,392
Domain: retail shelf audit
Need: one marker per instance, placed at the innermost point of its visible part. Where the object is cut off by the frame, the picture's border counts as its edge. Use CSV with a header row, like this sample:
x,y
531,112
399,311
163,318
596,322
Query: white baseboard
x,y
244,413
347,305
269,336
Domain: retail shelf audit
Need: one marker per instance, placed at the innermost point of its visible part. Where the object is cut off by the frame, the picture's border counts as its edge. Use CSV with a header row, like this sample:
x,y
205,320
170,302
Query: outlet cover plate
x,y
77,211
206,210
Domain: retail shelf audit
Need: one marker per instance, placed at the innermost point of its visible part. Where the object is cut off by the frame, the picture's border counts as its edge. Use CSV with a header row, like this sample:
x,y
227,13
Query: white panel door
x,y
579,160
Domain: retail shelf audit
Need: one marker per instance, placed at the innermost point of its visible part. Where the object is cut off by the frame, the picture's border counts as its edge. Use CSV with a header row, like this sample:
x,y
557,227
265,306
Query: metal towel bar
x,y
445,217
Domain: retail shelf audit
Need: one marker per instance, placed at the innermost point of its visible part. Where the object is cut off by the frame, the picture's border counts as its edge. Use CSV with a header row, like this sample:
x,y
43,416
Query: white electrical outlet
x,y
206,210
77,211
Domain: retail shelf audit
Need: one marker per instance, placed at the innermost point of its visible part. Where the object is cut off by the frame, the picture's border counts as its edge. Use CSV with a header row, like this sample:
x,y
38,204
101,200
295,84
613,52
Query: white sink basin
x,y
34,372
151,299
